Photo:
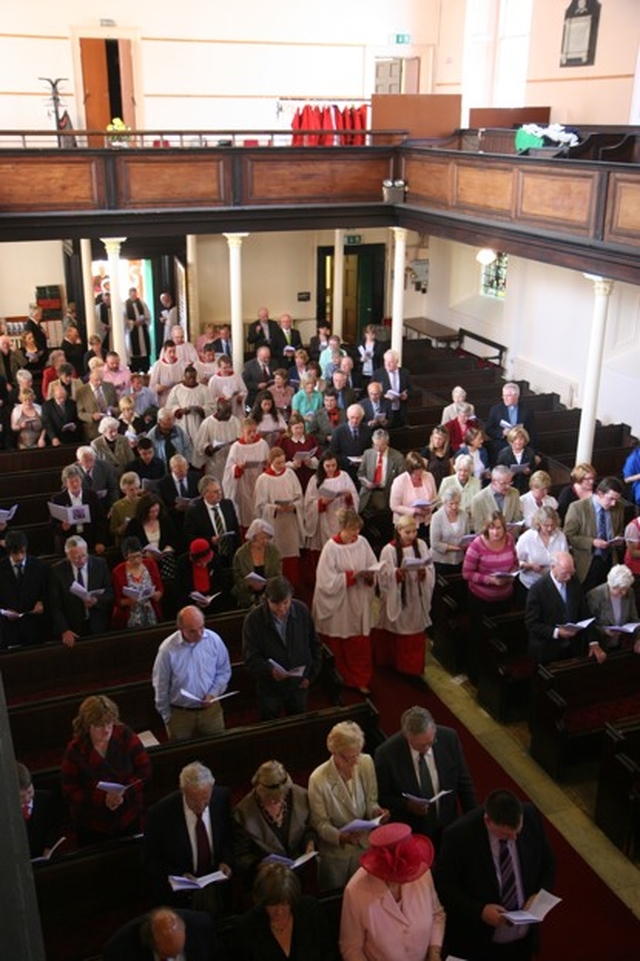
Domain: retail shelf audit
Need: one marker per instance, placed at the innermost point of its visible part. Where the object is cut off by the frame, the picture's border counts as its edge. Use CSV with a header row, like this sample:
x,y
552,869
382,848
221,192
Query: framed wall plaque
x,y
580,33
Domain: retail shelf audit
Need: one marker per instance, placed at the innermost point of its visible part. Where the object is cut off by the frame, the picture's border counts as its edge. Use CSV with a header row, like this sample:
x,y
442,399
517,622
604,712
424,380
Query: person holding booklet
x,y
557,614
342,600
81,515
272,819
104,771
449,533
343,798
614,607
300,449
137,589
278,500
330,489
189,836
198,578
414,492
81,594
281,650
245,462
255,563
493,860
423,778
190,674
406,581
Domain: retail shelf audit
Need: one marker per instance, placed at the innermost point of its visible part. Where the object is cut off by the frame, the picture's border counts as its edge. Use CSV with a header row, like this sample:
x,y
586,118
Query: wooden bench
x,y
450,622
101,659
505,669
617,807
606,460
572,703
558,442
41,481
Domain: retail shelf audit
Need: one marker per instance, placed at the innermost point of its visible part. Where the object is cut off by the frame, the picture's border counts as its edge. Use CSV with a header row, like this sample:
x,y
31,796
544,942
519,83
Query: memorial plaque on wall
x,y
580,33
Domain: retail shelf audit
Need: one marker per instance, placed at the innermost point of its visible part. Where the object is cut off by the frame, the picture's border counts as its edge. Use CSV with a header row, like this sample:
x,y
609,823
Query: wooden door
x,y
350,298
125,58
95,84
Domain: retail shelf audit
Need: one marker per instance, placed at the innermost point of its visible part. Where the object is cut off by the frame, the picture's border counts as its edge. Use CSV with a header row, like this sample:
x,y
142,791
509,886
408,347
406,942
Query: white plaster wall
x,y
25,266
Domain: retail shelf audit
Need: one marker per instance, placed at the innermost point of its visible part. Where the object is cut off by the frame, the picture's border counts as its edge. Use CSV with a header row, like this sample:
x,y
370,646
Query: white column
x,y
193,302
602,288
112,246
397,306
87,286
234,242
337,311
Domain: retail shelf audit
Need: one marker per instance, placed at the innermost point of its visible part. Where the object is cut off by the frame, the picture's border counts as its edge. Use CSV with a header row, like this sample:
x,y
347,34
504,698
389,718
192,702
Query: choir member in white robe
x,y
405,595
321,509
342,600
226,383
214,439
278,499
189,402
270,423
245,463
165,373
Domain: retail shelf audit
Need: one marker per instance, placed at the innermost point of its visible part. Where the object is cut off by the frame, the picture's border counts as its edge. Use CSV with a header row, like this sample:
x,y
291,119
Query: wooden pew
x,y
45,480
101,659
505,669
40,458
84,889
450,622
606,460
557,442
617,808
572,703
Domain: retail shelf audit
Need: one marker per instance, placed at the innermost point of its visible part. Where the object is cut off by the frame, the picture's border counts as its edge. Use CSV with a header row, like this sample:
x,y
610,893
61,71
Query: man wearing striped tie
x,y
492,860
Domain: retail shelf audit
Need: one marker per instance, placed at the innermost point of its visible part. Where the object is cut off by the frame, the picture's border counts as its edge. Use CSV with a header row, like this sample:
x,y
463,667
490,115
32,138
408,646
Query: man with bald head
x,y
553,602
165,933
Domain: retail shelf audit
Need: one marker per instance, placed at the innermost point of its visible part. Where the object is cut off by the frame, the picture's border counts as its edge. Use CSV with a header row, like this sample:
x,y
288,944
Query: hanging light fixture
x,y
486,256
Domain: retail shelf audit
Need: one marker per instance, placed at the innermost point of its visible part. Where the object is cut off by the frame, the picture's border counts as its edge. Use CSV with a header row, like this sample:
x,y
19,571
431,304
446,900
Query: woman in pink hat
x,y
390,909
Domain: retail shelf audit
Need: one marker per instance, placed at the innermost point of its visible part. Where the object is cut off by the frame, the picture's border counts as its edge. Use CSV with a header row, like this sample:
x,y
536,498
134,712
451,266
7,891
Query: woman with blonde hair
x,y
414,491
538,496
274,818
103,750
340,790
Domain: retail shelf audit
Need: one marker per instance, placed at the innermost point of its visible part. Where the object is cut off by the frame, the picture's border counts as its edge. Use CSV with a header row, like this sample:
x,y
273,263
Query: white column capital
x,y
602,286
399,234
112,245
235,240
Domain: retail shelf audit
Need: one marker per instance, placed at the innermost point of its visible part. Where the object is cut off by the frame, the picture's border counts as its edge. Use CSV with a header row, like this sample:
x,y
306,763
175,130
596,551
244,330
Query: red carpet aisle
x,y
591,924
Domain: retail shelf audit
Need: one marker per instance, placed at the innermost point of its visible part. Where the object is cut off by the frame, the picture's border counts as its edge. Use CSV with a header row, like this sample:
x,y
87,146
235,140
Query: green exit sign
x,y
403,38
352,239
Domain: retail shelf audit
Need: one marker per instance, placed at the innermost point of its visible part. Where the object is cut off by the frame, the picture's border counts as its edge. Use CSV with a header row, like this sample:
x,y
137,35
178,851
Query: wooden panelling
x,y
173,180
623,209
51,182
485,187
314,177
564,198
430,183
507,116
422,115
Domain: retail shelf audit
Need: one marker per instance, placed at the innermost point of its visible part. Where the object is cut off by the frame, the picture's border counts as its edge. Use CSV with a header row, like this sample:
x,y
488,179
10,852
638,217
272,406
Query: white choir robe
x,y
211,432
232,388
240,489
164,375
338,610
288,528
181,396
415,615
321,525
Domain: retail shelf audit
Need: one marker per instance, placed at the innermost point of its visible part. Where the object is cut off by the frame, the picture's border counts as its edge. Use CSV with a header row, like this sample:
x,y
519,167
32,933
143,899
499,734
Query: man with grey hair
x,y
498,496
380,466
213,517
614,605
169,438
555,605
417,763
396,386
350,440
189,832
76,614
509,413
98,475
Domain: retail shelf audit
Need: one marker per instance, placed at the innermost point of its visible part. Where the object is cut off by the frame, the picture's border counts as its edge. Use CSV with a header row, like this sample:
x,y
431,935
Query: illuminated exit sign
x,y
402,38
352,239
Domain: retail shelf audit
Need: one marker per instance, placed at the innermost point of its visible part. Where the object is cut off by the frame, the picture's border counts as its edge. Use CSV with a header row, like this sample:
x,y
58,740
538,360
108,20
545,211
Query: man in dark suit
x,y
351,440
379,468
281,629
177,488
399,766
74,617
24,585
346,395
40,812
95,400
165,933
395,380
502,417
222,343
98,476
491,860
557,599
75,495
189,832
213,518
594,527
377,409
258,373
320,340
60,418
285,341
146,465
263,332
